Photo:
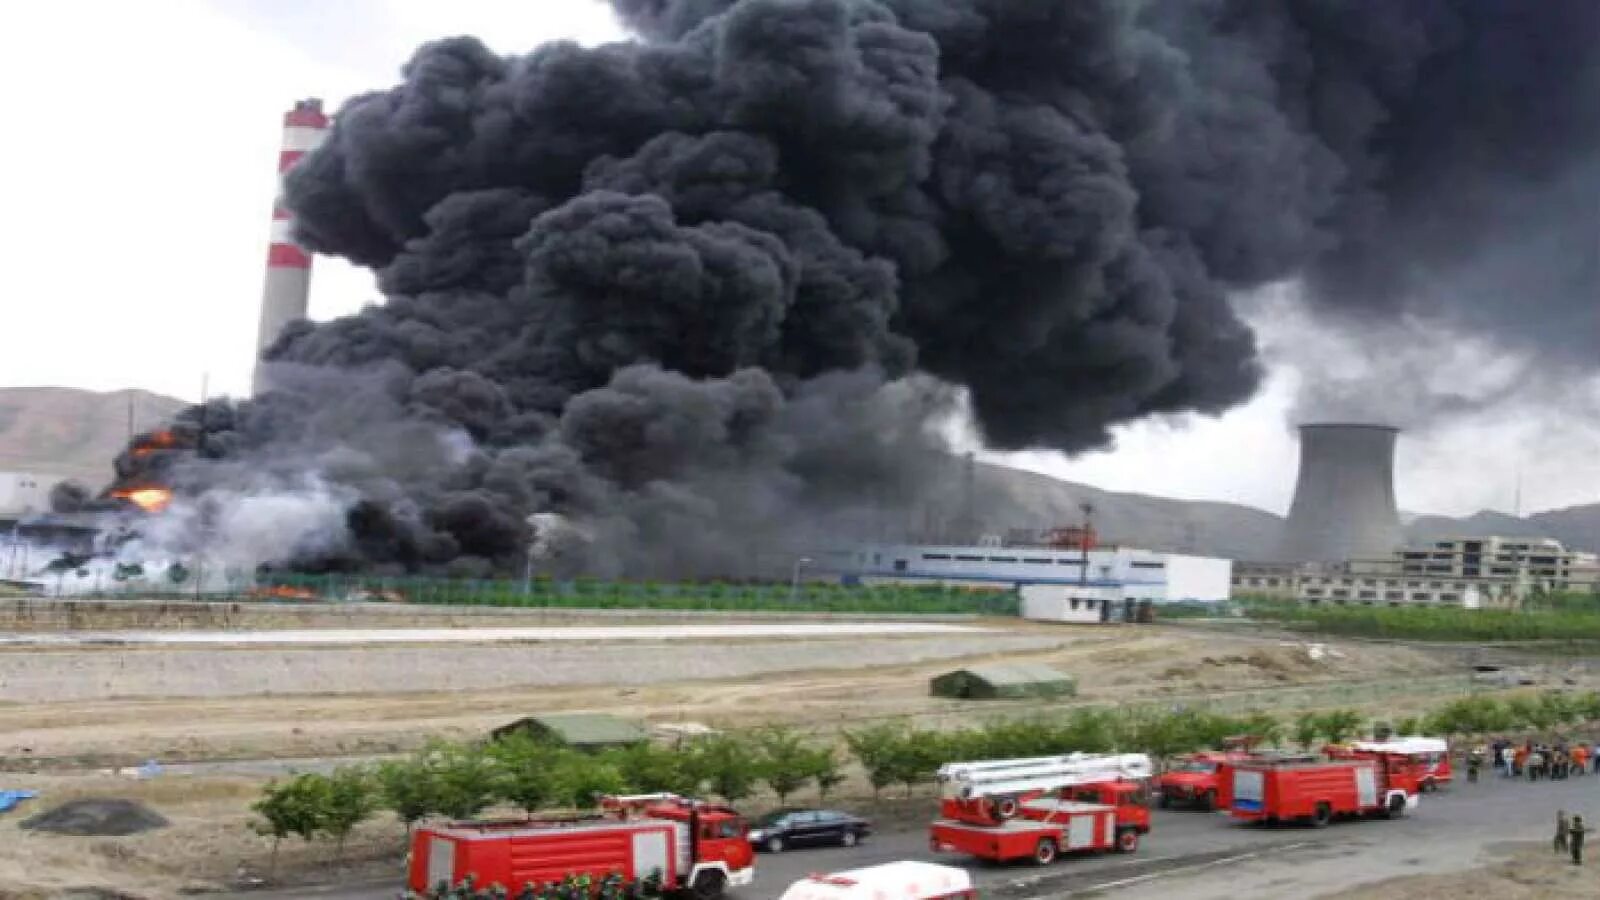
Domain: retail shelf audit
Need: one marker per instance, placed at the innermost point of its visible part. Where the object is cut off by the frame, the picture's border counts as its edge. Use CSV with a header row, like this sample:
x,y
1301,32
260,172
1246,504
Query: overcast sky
x,y
140,170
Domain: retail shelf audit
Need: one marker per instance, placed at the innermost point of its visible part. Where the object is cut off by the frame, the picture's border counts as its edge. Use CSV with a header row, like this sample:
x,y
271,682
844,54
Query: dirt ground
x,y
46,746
1529,873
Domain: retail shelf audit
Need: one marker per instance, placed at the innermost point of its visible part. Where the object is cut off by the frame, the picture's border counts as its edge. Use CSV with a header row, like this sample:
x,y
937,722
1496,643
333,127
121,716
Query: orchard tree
x,y
349,799
785,762
293,807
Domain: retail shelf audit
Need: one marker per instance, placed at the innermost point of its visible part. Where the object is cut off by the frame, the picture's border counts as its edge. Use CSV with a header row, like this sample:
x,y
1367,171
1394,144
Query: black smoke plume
x,y
687,292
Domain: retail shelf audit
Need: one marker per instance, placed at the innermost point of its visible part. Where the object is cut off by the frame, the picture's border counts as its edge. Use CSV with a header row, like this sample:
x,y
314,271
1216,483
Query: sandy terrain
x,y
1530,872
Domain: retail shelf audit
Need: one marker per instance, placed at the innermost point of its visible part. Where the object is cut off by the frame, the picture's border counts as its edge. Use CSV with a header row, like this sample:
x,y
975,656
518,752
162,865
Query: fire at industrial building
x,y
717,289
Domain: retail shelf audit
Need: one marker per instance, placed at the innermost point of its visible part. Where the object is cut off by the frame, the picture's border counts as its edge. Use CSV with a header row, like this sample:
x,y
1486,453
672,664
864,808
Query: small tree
x,y
875,747
824,769
579,780
784,762
1307,726
649,769
727,765
522,771
465,779
292,807
1339,725
348,800
406,788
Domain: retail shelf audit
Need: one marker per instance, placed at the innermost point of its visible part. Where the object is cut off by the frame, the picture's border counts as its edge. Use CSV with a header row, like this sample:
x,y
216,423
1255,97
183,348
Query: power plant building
x,y
1102,573
1344,505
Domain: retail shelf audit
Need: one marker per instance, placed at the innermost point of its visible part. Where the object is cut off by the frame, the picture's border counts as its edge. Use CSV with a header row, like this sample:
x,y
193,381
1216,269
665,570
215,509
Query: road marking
x,y
1151,876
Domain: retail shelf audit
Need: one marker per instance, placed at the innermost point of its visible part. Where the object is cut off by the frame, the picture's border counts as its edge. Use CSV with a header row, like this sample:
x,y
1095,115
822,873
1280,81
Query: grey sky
x,y
139,203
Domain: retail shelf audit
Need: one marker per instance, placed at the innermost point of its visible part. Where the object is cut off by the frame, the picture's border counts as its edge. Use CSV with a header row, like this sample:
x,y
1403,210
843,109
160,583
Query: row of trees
x,y
458,781
1568,621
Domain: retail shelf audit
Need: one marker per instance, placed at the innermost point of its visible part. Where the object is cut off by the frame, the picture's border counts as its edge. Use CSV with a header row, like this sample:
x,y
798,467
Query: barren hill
x,y
73,433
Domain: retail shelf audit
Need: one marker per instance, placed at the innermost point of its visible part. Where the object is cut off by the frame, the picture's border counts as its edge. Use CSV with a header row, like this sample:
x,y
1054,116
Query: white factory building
x,y
25,493
1111,573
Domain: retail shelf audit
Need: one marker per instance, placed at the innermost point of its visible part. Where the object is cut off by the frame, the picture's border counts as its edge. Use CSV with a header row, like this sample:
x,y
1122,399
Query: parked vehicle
x,y
1427,758
690,845
890,881
1196,780
1317,792
1204,780
1042,807
787,829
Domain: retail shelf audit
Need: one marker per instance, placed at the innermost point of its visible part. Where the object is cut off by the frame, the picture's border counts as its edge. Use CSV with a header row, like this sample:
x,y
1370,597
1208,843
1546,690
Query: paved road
x,y
1213,856
592,634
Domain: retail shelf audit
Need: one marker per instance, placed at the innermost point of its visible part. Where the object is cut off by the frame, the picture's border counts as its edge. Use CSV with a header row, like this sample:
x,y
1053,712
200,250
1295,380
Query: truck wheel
x,y
1127,840
849,839
1208,801
1427,786
1322,816
774,845
1044,853
1396,807
1163,800
709,885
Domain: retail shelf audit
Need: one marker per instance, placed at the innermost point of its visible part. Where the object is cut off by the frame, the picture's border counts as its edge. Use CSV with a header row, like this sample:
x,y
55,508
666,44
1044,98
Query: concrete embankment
x,y
34,674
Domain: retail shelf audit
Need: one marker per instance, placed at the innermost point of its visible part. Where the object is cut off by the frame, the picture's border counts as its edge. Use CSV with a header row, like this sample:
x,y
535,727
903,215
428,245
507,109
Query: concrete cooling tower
x,y
1344,498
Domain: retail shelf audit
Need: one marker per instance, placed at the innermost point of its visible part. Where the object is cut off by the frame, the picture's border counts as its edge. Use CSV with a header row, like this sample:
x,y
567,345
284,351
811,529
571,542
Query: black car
x,y
788,828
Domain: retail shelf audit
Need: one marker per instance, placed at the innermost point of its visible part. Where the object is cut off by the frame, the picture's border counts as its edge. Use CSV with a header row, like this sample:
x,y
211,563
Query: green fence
x,y
564,594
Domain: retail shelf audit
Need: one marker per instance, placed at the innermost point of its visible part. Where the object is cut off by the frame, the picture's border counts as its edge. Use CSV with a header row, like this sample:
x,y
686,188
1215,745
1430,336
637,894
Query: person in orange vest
x,y
1580,759
1520,760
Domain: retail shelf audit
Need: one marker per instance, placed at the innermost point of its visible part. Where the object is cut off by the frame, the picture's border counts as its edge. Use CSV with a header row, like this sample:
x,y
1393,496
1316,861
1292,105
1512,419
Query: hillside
x,y
73,433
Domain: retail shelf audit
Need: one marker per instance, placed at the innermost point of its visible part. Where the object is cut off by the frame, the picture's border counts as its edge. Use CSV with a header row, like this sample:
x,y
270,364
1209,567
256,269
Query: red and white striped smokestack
x,y
288,285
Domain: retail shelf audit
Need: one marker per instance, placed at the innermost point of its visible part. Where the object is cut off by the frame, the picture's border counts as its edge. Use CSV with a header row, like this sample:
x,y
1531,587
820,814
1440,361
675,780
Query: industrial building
x,y
1468,572
1113,573
25,493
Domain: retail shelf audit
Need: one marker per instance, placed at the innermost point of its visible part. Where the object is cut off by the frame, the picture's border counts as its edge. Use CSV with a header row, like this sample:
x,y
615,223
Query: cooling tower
x,y
288,282
1344,498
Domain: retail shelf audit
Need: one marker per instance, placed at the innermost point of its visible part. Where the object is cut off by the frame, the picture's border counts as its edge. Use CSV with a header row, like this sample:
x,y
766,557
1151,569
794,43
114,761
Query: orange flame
x,y
149,499
156,440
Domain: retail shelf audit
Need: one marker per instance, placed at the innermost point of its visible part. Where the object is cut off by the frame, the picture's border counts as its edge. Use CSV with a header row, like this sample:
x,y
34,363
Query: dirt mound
x,y
97,817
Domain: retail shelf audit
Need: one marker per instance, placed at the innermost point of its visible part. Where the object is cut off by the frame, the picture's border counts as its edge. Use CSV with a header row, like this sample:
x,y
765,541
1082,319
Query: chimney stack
x,y
288,283
1344,505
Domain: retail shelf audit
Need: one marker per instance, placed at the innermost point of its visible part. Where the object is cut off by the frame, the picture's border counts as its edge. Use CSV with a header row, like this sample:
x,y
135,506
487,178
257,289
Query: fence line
x,y
543,593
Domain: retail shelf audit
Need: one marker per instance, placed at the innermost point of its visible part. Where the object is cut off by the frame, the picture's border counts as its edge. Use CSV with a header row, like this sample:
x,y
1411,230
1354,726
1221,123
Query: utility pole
x,y
1083,540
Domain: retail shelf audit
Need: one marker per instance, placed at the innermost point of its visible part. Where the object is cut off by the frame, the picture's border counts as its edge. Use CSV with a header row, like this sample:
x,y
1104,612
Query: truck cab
x,y
1195,780
1130,797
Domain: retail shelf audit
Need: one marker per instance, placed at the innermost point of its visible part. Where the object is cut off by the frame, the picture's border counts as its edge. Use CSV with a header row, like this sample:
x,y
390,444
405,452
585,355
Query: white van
x,y
890,881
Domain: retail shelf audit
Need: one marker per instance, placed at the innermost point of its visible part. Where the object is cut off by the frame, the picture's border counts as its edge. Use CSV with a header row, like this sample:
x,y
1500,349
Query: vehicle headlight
x,y
757,834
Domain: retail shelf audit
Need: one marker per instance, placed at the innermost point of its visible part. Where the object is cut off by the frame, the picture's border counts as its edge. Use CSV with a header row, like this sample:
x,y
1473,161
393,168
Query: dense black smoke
x,y
673,289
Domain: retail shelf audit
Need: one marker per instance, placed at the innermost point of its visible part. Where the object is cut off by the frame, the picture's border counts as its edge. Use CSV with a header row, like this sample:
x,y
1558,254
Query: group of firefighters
x,y
1536,761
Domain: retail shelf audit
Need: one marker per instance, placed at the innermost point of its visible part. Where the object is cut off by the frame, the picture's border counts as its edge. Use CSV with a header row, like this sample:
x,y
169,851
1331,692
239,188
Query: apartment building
x,y
1471,572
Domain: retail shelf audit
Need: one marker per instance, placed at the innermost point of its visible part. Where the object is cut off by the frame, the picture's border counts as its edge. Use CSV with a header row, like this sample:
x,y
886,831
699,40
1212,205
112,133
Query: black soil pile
x,y
97,817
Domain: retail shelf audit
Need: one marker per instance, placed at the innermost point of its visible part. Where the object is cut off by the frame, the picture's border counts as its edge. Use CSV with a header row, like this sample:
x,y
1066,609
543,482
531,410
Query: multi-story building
x,y
1473,573
1541,562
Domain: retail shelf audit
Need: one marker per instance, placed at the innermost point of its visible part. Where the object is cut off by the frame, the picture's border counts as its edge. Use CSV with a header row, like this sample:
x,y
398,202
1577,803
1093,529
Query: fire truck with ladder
x,y
1041,807
692,847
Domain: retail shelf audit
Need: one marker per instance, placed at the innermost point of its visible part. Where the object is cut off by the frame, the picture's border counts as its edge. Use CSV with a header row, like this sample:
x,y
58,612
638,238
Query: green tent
x,y
1005,681
582,731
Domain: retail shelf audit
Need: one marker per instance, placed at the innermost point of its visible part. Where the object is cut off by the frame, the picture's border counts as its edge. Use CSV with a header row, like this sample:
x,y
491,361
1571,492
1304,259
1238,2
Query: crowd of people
x,y
1535,760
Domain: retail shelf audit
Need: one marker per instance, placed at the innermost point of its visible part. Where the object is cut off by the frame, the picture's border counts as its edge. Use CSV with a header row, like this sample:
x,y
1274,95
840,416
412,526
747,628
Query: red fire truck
x,y
1041,807
1315,792
1204,780
691,845
1427,758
